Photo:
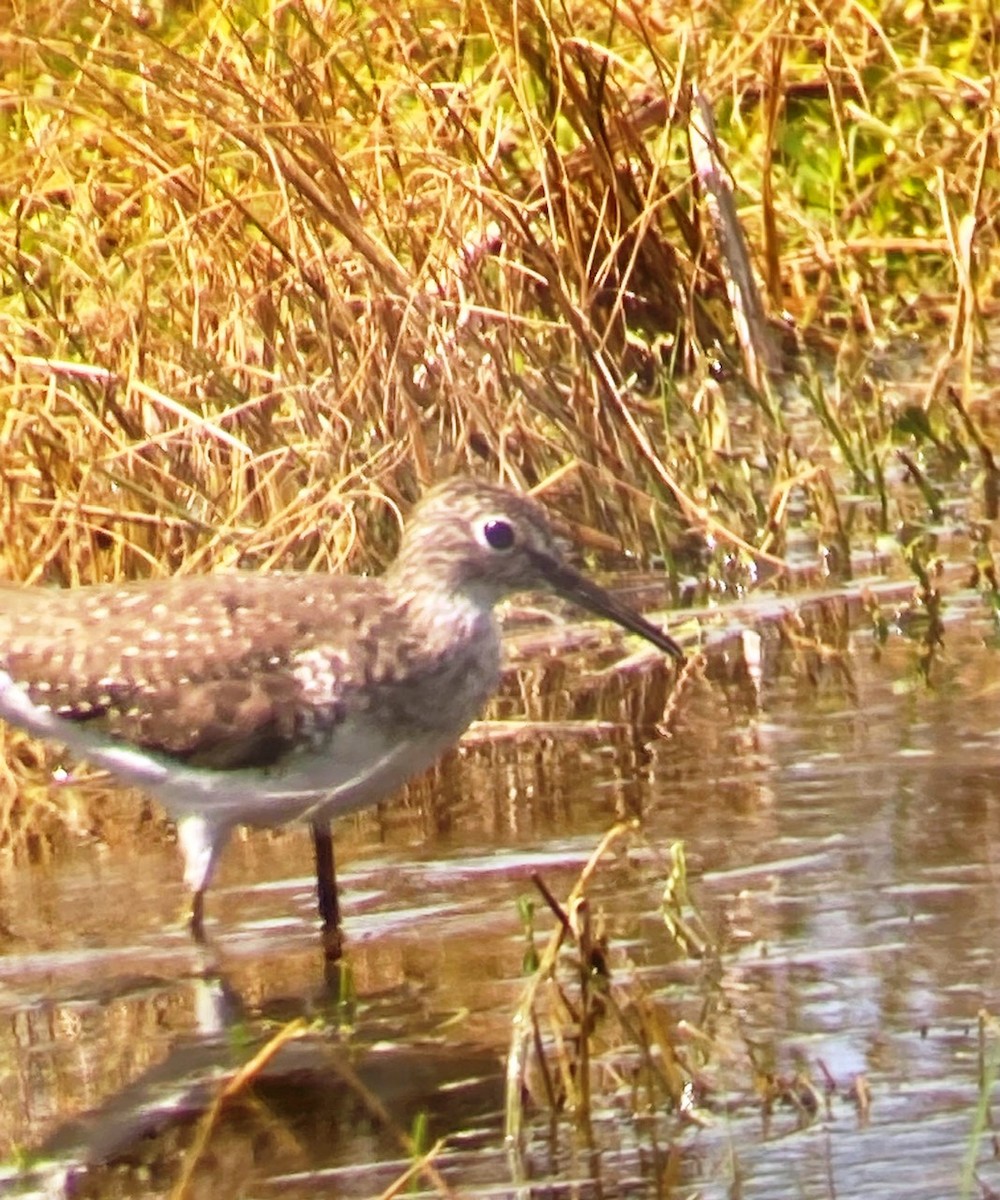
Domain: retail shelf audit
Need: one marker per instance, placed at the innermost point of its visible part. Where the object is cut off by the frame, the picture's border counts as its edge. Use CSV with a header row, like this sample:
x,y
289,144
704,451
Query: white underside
x,y
360,767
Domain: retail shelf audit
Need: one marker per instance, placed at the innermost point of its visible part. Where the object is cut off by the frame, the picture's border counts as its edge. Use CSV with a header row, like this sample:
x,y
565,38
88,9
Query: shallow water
x,y
840,811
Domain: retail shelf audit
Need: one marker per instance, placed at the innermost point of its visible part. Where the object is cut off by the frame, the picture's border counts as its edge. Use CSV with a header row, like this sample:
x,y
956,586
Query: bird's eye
x,y
498,534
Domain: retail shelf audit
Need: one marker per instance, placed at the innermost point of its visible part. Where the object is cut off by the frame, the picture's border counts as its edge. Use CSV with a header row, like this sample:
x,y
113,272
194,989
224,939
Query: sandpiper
x,y
239,698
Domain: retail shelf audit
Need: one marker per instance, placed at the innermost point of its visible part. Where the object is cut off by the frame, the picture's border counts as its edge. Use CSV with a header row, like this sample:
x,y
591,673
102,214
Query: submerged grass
x,y
984,1126
594,1049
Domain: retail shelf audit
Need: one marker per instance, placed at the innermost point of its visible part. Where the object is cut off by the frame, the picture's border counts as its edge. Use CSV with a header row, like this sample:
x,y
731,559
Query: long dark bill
x,y
571,585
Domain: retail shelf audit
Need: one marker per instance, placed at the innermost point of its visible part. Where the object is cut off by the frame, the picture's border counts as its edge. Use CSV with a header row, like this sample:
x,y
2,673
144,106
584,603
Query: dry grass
x,y
290,257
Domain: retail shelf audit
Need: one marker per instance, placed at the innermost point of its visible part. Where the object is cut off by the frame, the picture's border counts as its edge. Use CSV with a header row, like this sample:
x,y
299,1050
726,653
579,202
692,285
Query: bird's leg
x,y
201,844
326,874
197,920
326,887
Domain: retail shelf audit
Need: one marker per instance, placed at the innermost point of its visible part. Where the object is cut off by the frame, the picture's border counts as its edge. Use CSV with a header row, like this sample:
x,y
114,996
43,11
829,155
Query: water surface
x,y
837,797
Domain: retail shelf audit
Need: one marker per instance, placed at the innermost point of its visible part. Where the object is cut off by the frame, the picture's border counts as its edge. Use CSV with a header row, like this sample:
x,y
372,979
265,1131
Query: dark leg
x,y
326,887
198,917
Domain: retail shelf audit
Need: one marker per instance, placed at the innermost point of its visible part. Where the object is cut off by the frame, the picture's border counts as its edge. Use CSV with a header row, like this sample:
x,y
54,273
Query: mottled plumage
x,y
243,698
226,671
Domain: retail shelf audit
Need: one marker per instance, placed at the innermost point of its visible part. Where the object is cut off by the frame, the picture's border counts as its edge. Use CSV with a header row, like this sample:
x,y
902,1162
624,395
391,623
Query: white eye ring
x,y
497,534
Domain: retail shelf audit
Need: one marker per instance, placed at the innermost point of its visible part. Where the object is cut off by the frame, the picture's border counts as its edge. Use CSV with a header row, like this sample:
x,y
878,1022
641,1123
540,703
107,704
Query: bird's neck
x,y
431,583
446,614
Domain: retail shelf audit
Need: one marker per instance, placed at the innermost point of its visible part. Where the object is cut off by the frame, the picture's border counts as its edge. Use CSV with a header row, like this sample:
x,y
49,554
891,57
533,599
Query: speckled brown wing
x,y
204,669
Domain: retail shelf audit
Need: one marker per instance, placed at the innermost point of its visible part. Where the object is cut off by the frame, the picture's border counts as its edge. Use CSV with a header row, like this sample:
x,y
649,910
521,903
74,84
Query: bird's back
x,y
234,671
